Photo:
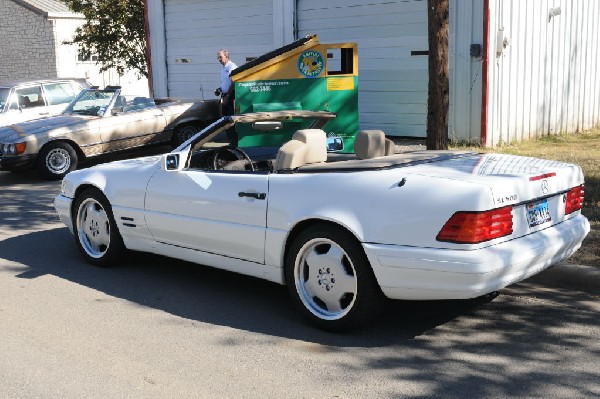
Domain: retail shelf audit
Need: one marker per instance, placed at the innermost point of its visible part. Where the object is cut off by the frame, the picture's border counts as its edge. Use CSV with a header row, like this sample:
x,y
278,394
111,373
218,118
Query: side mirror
x,y
172,162
335,144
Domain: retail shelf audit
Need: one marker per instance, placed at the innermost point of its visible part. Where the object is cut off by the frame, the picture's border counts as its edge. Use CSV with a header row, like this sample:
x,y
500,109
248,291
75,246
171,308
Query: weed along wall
x,y
304,75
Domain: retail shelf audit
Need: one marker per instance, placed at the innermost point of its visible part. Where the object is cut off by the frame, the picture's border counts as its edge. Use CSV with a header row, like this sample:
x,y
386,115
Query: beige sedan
x,y
35,99
98,122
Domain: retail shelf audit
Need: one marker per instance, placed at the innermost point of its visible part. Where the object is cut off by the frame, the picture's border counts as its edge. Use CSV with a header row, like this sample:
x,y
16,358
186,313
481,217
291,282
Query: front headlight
x,y
67,188
13,149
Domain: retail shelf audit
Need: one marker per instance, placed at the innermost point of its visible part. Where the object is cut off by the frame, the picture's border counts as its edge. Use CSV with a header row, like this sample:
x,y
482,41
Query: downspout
x,y
484,76
57,57
148,50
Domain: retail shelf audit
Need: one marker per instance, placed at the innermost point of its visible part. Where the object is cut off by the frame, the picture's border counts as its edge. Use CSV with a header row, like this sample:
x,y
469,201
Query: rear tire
x,y
184,132
330,279
56,159
96,232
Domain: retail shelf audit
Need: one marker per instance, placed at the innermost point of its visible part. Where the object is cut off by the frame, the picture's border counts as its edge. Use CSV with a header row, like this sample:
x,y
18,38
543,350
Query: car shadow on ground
x,y
513,335
214,296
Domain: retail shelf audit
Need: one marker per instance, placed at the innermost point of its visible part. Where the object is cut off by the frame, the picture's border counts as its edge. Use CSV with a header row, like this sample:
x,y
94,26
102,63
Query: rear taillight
x,y
574,200
476,227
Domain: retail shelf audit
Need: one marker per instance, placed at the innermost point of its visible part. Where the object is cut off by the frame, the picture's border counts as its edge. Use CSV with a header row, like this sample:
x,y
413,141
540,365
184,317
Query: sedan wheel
x,y
96,233
330,279
56,160
183,133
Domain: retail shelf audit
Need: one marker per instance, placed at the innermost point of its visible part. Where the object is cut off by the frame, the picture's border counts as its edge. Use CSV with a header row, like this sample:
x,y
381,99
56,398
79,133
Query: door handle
x,y
260,196
44,113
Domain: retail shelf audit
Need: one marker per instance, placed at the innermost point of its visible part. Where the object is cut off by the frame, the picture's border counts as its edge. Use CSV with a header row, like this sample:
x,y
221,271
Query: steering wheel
x,y
220,158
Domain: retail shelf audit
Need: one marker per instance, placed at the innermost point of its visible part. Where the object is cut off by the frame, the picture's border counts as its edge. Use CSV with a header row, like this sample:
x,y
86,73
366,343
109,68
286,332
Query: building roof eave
x,y
49,9
65,15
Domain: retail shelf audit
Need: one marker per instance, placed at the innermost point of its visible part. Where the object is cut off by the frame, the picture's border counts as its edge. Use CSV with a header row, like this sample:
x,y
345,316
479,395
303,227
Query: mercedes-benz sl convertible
x,y
342,231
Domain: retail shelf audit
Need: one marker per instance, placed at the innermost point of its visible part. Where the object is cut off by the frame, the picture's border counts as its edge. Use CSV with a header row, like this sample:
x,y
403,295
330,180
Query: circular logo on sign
x,y
311,63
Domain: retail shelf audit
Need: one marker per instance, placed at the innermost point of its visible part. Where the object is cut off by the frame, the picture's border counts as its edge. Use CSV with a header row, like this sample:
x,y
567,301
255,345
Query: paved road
x,y
160,328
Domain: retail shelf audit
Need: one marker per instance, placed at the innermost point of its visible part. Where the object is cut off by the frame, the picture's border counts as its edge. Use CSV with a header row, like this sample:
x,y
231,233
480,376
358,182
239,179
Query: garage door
x,y
392,38
196,29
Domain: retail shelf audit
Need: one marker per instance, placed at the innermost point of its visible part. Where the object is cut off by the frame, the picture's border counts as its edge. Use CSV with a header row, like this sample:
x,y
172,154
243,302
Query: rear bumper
x,y
429,273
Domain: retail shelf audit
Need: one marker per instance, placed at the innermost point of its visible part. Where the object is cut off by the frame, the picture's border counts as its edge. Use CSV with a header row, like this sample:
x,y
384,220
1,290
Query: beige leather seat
x,y
307,146
372,144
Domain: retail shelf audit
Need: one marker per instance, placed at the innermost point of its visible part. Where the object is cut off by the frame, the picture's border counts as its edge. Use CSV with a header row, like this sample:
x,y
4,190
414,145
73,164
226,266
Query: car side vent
x,y
127,221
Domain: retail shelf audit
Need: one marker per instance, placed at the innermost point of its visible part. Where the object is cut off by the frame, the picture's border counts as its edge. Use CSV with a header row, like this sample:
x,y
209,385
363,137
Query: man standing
x,y
226,91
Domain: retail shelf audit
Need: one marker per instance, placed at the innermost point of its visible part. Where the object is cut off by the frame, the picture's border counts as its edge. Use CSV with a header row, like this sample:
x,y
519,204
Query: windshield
x,y
263,129
4,91
260,137
91,102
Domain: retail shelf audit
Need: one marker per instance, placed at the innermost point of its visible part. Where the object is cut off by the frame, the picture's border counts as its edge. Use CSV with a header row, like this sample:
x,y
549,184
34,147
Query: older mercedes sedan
x,y
99,121
35,99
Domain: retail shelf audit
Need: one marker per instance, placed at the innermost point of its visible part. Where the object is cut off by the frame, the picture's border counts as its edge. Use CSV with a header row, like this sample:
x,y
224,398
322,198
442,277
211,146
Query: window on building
x,y
90,58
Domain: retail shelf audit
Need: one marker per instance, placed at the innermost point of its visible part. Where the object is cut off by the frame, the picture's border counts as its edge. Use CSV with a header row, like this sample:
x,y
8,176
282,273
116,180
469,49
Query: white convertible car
x,y
342,231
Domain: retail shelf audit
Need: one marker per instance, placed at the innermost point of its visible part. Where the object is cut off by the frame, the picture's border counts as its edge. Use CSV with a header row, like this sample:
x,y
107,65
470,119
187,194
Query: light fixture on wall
x,y
502,42
553,13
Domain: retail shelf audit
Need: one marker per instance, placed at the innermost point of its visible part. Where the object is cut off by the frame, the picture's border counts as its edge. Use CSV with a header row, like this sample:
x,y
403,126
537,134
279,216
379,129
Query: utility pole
x,y
439,86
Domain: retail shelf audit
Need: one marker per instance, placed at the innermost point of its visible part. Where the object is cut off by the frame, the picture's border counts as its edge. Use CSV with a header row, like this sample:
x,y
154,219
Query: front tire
x,y
96,232
330,279
56,159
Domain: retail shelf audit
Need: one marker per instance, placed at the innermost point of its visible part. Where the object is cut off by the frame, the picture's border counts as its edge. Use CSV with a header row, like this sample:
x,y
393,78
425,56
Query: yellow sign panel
x,y
341,83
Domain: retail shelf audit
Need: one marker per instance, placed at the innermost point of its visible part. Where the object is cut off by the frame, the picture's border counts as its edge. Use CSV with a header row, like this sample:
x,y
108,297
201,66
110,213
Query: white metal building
x,y
537,72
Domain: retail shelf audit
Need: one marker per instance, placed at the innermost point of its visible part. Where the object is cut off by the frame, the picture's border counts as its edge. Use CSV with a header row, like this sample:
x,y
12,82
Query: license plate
x,y
538,213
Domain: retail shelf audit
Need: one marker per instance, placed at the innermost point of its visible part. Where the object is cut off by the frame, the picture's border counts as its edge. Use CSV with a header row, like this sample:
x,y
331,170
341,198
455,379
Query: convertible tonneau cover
x,y
347,162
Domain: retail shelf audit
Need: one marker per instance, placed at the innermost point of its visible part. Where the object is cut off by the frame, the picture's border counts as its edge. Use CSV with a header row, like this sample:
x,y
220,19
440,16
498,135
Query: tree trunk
x,y
437,100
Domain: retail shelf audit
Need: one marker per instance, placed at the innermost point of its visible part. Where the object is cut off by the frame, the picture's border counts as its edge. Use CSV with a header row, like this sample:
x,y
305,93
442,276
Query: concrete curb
x,y
577,277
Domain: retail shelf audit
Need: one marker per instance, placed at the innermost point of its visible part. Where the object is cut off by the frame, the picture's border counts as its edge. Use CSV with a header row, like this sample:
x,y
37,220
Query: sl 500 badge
x,y
311,63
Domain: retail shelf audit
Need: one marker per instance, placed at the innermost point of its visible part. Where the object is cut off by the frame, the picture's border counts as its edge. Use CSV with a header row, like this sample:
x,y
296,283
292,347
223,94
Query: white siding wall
x,y
392,83
546,80
197,29
466,73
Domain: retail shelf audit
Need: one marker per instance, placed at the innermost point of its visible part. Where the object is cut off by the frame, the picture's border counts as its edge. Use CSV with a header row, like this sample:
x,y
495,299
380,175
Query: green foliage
x,y
114,31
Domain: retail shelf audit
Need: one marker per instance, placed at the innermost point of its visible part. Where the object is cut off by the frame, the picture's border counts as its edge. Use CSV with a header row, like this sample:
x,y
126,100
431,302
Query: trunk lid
x,y
536,189
511,178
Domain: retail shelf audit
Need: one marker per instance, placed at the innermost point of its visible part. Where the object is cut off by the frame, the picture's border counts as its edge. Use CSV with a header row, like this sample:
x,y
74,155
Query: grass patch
x,y
579,148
